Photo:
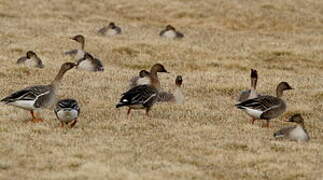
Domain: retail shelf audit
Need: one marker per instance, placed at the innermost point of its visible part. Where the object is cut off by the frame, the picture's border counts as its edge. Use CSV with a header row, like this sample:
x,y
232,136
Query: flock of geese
x,y
144,90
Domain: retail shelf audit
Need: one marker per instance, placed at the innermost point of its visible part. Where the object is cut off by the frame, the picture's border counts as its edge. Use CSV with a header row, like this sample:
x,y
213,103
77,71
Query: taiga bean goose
x,y
67,111
176,97
110,30
251,93
40,96
171,33
140,79
139,97
266,107
31,59
295,133
150,78
89,63
77,53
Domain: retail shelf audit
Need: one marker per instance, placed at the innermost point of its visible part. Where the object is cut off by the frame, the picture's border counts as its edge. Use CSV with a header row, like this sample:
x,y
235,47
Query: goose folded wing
x,y
22,60
262,103
71,52
27,94
140,95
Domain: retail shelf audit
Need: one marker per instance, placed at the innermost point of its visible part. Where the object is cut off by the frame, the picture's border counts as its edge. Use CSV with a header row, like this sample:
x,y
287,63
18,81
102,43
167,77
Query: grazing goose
x,y
266,107
89,63
31,59
176,97
35,97
67,111
295,133
171,33
139,97
250,94
150,78
77,53
110,30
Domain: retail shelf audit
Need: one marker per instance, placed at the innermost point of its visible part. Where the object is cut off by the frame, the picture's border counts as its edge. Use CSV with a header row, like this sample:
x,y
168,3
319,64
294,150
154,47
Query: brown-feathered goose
x,y
110,30
177,96
171,33
89,63
77,53
150,78
266,107
40,96
295,133
31,59
251,93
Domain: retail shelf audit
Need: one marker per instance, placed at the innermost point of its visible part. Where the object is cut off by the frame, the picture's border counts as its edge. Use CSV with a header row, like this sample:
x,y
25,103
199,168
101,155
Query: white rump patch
x,y
253,112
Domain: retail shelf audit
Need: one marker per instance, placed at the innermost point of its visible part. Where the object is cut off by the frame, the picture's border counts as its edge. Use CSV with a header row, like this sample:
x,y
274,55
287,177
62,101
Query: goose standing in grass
x,y
31,59
176,97
295,133
266,107
77,53
171,33
110,30
67,111
40,96
89,63
251,93
150,78
139,97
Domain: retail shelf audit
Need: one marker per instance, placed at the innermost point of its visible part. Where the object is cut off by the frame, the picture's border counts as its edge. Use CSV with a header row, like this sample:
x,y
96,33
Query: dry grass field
x,y
207,137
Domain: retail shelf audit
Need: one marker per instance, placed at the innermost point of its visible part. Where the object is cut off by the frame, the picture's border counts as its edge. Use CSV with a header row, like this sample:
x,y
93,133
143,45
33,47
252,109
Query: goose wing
x,y
283,132
71,52
28,94
165,97
21,60
103,30
262,103
142,94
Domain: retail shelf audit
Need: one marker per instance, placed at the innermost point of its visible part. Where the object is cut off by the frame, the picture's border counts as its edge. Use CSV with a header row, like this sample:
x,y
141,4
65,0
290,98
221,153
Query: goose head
x,y
112,25
31,54
158,68
282,86
296,118
80,39
179,81
170,27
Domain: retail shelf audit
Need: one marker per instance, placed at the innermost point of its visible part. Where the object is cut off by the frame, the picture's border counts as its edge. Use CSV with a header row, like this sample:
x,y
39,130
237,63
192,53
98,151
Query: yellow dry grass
x,y
206,138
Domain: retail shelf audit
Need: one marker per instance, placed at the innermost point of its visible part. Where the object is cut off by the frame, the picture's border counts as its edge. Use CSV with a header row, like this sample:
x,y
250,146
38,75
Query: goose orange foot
x,y
37,120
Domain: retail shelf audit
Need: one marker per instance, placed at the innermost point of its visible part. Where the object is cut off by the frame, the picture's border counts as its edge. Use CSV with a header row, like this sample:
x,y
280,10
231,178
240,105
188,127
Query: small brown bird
x,y
31,59
295,133
176,97
251,93
171,33
150,78
110,30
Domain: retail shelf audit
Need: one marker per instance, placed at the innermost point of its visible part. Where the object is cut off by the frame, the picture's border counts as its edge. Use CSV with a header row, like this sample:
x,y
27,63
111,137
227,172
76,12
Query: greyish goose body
x,y
295,133
40,96
177,96
67,111
266,107
171,33
110,30
251,93
150,78
31,59
89,63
